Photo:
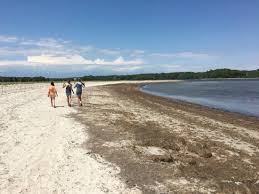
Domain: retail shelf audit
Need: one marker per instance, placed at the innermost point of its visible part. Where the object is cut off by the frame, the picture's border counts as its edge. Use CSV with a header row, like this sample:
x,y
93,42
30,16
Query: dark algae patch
x,y
163,146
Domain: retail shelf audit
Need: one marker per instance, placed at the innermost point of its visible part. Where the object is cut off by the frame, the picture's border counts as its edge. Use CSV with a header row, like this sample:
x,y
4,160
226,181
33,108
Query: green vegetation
x,y
218,73
26,79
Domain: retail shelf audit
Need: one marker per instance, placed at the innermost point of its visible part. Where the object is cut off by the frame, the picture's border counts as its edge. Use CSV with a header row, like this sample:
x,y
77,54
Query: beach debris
x,y
207,154
164,158
200,149
192,162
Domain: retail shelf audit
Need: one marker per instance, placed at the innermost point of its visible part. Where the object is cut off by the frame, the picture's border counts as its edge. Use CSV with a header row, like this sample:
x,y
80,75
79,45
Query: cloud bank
x,y
46,56
77,59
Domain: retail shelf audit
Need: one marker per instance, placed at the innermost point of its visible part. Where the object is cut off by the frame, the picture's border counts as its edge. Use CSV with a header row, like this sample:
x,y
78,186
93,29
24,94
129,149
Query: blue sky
x,y
57,38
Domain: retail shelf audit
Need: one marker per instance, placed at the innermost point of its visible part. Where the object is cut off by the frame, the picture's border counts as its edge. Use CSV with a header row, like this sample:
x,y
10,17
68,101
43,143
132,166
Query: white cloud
x,y
8,39
109,51
127,69
58,51
7,52
188,55
34,49
83,49
119,61
78,60
137,53
45,42
57,60
51,52
12,62
171,65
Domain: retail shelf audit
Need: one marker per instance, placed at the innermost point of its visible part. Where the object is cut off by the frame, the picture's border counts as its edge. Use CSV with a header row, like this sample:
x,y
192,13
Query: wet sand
x,y
166,146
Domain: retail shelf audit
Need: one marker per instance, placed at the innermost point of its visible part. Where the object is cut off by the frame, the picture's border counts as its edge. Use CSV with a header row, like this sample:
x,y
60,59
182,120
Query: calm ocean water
x,y
240,96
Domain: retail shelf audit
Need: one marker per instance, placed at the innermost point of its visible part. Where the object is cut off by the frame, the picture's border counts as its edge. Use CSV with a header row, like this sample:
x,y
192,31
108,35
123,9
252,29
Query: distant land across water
x,y
240,95
218,73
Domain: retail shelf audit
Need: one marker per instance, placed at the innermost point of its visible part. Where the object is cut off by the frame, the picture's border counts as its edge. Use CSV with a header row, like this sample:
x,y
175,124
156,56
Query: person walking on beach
x,y
52,93
79,89
69,90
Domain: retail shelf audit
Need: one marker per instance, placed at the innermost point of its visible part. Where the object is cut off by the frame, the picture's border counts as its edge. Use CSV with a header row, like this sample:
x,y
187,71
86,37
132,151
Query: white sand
x,y
41,147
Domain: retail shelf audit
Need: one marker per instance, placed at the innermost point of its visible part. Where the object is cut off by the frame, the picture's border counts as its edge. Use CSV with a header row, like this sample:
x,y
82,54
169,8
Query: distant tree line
x,y
23,79
28,79
218,73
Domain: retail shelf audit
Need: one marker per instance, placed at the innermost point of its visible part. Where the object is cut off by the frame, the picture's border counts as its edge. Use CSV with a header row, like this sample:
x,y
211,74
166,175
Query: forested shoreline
x,y
218,73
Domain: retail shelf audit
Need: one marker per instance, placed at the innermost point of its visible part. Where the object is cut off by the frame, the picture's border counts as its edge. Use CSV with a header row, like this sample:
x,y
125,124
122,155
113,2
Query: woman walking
x,y
52,93
69,91
79,89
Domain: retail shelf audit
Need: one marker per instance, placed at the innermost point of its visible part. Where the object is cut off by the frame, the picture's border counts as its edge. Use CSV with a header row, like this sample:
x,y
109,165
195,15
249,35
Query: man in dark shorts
x,y
79,89
69,90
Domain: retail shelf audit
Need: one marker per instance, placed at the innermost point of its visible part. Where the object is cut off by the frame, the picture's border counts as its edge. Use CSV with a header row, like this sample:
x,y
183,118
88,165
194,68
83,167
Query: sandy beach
x,y
41,147
123,141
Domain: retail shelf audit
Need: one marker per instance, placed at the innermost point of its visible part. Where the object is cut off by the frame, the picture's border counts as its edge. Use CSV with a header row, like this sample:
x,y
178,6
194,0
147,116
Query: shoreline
x,y
240,117
197,104
161,145
241,114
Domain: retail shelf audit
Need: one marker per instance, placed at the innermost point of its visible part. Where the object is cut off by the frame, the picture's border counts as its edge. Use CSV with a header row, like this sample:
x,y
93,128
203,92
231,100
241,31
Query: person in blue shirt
x,y
79,89
69,90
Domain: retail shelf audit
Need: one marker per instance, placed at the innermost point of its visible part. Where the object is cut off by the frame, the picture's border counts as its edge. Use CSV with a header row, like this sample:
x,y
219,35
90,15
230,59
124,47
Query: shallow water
x,y
240,96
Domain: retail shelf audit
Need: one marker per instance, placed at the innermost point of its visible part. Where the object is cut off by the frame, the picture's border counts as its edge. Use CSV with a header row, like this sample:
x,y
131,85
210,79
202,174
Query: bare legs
x,y
69,100
52,101
79,100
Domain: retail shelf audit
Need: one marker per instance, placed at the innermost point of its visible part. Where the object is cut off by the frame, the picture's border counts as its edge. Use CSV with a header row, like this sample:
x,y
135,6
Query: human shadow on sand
x,y
60,106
